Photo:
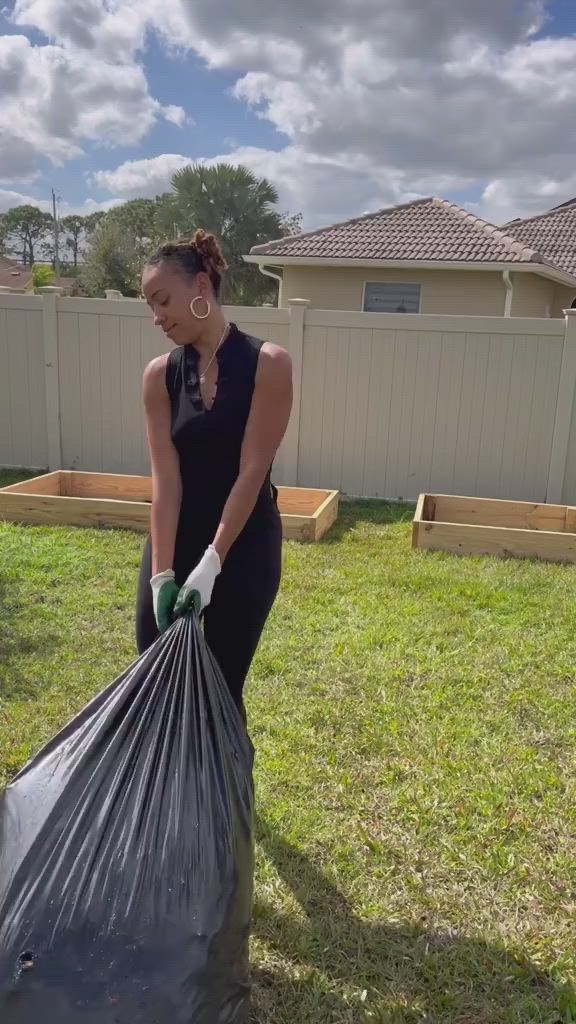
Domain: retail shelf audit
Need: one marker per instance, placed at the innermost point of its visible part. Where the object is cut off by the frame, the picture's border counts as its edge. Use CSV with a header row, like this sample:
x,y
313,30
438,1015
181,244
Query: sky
x,y
348,106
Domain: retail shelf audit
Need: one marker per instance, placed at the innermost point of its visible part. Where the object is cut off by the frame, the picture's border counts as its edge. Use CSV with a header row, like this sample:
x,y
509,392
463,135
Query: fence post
x,y
564,408
52,374
297,309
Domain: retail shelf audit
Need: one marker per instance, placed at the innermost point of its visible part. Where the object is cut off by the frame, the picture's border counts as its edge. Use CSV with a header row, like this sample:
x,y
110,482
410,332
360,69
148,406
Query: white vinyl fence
x,y
385,405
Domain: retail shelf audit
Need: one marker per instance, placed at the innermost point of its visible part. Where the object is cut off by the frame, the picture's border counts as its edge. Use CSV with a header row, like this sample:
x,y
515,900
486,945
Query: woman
x,y
217,407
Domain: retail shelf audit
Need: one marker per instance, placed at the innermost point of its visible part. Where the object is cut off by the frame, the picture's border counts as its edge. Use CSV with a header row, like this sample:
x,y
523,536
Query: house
x,y
18,278
553,232
430,256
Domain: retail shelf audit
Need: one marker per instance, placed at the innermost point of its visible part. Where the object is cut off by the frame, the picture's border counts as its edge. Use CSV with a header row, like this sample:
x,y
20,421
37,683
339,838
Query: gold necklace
x,y
214,354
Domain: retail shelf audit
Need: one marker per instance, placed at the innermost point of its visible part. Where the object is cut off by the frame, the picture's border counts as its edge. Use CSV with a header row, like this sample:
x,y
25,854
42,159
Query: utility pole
x,y
56,235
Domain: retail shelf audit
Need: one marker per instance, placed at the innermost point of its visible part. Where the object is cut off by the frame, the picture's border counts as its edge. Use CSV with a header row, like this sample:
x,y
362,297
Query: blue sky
x,y
106,98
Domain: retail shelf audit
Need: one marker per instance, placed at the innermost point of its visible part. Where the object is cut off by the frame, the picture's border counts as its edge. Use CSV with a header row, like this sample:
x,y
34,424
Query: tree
x,y
112,261
92,220
139,217
291,224
42,276
238,207
74,227
25,228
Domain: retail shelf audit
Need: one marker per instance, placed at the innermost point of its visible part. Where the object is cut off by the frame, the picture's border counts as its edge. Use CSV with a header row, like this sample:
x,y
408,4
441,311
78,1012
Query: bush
x,y
42,276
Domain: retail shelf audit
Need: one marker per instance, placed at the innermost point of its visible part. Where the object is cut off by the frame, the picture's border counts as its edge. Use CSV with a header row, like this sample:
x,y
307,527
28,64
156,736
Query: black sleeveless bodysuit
x,y
209,445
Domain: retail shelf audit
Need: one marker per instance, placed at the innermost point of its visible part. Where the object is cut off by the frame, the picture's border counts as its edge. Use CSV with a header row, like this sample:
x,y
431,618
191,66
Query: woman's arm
x,y
166,480
267,423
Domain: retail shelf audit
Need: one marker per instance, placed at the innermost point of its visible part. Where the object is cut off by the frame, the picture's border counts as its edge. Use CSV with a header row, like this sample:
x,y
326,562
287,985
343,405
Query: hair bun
x,y
208,247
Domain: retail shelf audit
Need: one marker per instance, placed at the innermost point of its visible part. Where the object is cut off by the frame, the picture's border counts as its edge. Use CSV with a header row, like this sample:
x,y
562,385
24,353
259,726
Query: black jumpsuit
x,y
209,443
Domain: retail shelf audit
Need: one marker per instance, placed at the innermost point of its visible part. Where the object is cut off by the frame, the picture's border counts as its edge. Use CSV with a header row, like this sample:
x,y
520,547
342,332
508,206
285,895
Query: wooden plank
x,y
502,542
326,515
57,511
418,517
111,485
499,512
570,519
121,501
301,500
48,483
298,528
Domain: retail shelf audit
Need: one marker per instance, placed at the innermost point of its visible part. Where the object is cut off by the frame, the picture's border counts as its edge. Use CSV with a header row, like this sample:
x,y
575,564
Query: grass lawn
x,y
415,724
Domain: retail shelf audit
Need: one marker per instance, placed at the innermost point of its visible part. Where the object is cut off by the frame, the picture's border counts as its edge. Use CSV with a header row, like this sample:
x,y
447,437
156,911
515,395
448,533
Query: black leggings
x,y
241,603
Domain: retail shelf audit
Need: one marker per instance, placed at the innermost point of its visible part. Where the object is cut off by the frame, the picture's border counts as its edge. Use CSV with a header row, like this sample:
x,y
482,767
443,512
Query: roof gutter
x,y
275,277
543,269
509,284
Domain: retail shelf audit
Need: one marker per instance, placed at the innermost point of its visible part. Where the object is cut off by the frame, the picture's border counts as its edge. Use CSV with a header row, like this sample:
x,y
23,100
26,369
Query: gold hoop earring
x,y
193,311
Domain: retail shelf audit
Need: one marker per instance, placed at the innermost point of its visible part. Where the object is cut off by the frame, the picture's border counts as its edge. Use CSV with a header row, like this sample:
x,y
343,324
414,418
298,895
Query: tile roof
x,y
425,229
19,277
553,232
14,275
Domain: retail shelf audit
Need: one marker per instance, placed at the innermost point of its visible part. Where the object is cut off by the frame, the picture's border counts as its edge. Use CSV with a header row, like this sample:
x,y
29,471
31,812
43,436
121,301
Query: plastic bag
x,y
126,854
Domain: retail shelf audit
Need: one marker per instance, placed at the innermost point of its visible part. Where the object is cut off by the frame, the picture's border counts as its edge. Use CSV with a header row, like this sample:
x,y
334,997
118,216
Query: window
x,y
391,298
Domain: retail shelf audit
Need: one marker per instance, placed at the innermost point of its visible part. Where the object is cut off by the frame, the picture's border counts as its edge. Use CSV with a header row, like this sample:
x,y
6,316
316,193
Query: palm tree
x,y
238,207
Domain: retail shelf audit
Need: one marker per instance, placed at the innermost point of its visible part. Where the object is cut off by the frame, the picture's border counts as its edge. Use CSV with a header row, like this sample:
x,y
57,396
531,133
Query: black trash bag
x,y
126,854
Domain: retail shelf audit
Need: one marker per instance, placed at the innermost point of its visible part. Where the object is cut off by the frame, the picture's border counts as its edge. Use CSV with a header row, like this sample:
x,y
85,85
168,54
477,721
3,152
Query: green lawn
x,y
415,724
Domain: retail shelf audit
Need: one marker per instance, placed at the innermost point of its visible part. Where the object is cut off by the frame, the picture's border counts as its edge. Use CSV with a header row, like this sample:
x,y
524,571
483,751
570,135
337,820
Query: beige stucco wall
x,y
532,296
476,293
563,299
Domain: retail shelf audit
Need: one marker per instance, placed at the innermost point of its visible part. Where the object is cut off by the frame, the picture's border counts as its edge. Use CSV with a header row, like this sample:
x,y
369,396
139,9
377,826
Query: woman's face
x,y
169,295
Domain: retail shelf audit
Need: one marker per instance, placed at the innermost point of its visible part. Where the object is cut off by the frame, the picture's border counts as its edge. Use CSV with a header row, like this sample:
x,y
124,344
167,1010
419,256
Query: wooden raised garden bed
x,y
66,498
489,526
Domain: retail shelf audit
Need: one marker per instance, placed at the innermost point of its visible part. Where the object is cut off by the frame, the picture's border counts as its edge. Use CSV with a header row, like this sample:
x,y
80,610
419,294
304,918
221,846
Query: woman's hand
x,y
164,594
197,590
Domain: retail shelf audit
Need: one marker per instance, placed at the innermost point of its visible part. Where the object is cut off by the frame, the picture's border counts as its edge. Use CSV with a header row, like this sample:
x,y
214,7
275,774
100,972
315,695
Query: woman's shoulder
x,y
274,365
154,380
266,352
156,368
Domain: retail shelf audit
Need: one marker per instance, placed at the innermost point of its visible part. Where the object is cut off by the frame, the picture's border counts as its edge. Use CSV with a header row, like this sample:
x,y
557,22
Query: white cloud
x,y
85,85
8,199
176,115
54,99
146,177
322,188
523,196
376,100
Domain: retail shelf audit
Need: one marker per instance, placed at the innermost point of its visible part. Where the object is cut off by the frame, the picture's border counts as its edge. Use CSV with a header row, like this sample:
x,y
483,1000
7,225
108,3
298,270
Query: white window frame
x,y
392,284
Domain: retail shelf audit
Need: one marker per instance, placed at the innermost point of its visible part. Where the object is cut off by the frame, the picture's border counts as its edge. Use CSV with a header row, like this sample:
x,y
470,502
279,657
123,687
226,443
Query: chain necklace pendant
x,y
202,377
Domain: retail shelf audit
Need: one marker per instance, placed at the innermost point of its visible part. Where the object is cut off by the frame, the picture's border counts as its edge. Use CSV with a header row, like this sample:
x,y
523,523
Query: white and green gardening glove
x,y
164,595
197,590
